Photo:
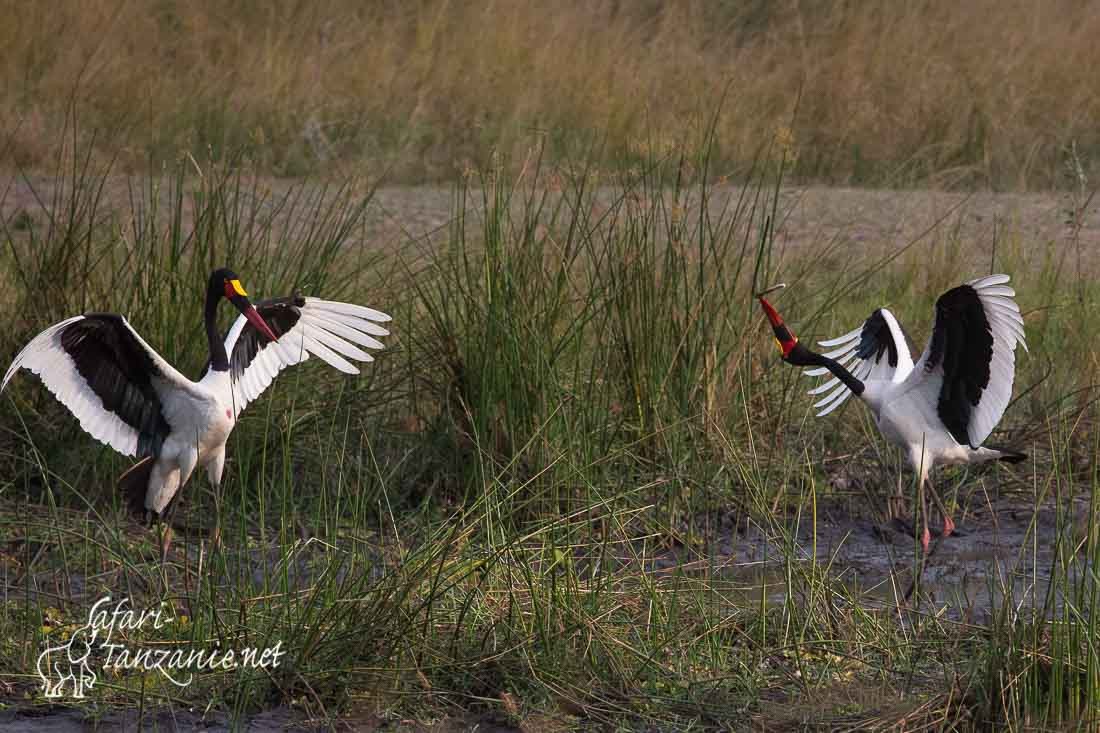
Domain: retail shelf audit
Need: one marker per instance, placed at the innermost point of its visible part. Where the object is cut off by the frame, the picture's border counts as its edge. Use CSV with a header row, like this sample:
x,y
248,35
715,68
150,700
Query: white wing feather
x,y
45,357
865,370
331,331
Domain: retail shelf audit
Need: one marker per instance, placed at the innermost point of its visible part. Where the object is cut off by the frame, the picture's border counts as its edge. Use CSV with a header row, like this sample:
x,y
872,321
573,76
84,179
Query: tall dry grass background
x,y
982,93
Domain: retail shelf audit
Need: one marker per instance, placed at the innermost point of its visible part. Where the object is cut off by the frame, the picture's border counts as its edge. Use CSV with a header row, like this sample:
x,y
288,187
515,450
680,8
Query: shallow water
x,y
1006,550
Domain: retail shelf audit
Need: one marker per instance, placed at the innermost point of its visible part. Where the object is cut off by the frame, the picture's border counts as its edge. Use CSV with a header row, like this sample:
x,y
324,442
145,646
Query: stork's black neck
x,y
801,356
219,361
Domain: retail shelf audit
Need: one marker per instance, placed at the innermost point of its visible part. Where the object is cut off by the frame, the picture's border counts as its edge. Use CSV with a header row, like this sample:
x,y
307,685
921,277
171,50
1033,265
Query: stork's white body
x,y
202,419
964,376
910,422
198,417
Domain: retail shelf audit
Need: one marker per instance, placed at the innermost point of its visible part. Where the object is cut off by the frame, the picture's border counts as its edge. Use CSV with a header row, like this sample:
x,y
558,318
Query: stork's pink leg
x,y
165,542
925,535
948,522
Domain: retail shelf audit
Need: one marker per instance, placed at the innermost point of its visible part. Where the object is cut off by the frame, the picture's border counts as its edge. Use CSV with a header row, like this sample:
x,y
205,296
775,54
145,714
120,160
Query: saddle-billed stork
x,y
942,408
125,395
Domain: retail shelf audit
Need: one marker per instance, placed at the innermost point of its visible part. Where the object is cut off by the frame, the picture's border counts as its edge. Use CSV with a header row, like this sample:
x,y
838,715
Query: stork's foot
x,y
909,530
903,526
948,526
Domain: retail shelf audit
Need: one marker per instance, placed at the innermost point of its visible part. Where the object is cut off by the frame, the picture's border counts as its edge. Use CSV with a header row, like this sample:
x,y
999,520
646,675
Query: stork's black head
x,y
224,283
227,284
784,338
792,351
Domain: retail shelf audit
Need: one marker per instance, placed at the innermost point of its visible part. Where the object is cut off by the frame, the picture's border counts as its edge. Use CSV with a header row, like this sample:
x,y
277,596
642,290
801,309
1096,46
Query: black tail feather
x,y
134,485
1009,455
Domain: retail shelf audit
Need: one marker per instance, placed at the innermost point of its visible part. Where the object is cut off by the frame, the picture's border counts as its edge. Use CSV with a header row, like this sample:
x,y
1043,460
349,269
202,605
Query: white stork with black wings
x,y
942,408
125,395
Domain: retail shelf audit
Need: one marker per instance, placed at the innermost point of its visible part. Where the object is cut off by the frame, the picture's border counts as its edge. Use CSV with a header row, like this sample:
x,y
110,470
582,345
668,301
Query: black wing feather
x,y
962,342
120,371
876,339
281,314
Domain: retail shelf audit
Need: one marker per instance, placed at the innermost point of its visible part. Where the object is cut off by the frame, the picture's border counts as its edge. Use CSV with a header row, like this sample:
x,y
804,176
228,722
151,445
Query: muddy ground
x,y
1001,550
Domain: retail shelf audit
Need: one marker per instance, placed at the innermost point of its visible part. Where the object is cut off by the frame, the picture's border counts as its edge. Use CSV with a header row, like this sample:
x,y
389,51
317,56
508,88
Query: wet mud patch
x,y
1003,549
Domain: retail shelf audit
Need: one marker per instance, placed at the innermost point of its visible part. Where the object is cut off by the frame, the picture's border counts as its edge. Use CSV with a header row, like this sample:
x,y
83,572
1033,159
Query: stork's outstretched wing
x,y
877,350
969,364
333,332
113,382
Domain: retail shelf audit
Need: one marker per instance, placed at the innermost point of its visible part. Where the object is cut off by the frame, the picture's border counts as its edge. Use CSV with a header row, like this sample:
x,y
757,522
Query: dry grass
x,y
990,92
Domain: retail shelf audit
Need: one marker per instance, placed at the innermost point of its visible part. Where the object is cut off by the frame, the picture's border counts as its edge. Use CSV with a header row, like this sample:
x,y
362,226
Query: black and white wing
x,y
877,350
333,332
969,364
113,382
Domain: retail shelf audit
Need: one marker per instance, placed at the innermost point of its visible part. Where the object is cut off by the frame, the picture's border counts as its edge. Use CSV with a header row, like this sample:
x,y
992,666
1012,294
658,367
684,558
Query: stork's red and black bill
x,y
784,337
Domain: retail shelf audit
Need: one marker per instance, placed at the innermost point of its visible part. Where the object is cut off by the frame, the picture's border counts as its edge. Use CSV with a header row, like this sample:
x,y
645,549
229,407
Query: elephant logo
x,y
65,666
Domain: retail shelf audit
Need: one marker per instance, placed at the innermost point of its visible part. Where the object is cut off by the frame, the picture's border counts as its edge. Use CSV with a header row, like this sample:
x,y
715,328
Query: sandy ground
x,y
872,220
